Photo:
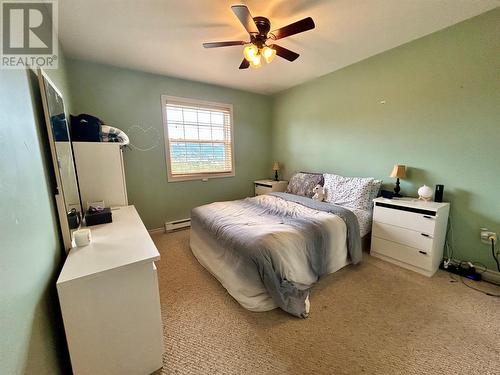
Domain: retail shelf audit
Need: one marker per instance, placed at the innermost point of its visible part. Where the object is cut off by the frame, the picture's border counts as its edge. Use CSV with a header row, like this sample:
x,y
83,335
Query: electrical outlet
x,y
486,236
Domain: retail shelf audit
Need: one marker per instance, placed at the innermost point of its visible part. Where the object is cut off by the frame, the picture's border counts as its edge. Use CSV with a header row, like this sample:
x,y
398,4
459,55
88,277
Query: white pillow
x,y
354,192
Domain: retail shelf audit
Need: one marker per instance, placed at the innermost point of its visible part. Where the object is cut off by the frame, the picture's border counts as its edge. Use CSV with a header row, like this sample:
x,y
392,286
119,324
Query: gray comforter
x,y
257,251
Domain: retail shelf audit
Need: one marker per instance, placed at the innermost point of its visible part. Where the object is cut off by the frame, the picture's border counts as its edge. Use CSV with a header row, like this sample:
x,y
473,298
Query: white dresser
x,y
269,186
410,233
108,292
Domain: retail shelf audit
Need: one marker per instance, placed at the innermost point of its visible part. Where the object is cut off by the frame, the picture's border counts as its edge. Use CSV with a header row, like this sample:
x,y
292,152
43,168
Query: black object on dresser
x,y
387,194
98,216
438,196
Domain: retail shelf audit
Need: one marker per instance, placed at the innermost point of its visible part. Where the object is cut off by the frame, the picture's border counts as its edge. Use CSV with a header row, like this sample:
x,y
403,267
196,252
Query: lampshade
x,y
399,171
276,166
256,61
269,54
250,52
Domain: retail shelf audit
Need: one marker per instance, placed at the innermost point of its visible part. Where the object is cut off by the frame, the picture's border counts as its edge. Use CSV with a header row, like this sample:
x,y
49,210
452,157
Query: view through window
x,y
198,138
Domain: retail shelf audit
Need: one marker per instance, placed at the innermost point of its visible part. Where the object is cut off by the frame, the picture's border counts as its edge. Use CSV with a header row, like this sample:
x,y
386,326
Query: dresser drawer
x,y
402,253
261,189
403,236
411,220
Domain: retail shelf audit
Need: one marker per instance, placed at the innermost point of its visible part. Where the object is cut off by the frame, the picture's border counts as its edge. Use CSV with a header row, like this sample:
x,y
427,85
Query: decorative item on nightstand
x,y
399,171
276,168
425,193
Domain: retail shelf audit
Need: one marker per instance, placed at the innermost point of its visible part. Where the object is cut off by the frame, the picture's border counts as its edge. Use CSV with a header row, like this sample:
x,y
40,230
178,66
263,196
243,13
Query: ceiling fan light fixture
x,y
256,61
268,53
260,33
251,52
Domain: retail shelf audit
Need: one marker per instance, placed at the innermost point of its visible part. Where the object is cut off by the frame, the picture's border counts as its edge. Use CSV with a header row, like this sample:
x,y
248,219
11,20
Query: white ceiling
x,y
166,36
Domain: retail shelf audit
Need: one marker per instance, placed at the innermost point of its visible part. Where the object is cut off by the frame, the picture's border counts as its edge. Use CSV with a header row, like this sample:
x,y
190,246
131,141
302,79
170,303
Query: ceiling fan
x,y
259,30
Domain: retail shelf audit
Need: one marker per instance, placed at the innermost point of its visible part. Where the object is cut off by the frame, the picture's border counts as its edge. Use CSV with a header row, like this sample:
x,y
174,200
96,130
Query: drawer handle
x,y
422,252
425,235
428,217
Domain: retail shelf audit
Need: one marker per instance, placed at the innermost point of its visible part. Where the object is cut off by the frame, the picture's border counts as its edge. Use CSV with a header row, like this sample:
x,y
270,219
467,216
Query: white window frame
x,y
194,176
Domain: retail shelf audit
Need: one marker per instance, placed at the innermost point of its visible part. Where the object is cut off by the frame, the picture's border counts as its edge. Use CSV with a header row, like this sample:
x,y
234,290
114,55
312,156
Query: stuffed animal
x,y
319,193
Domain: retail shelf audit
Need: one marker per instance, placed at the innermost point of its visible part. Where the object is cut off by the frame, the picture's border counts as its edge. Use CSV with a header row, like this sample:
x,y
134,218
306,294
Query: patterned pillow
x,y
352,192
374,192
303,184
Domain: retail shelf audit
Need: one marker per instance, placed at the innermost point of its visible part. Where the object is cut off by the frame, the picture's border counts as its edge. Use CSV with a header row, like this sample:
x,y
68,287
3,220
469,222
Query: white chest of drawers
x,y
269,186
410,233
108,293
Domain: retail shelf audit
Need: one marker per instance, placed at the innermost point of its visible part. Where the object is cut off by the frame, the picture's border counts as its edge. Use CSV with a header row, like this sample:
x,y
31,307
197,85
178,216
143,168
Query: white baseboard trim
x,y
157,230
491,276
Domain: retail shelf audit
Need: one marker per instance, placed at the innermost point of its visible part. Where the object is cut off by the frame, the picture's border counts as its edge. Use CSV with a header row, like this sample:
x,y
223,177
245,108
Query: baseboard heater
x,y
176,225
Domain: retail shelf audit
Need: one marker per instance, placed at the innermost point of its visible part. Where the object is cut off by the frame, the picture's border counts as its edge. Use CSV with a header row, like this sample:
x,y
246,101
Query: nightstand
x,y
410,233
268,186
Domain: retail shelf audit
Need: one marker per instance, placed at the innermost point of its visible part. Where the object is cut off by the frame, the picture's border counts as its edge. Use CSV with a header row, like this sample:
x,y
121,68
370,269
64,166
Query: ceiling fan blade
x,y
223,44
243,14
244,64
285,53
293,28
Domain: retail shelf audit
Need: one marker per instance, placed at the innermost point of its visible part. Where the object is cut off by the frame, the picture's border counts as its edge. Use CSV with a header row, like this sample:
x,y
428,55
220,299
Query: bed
x,y
267,251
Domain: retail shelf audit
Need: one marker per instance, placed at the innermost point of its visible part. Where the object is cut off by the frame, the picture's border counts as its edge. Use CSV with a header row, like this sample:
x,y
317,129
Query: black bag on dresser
x,y
85,128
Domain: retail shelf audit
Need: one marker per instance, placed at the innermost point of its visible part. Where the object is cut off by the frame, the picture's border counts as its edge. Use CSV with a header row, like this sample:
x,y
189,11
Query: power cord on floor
x,y
461,279
475,265
449,240
495,256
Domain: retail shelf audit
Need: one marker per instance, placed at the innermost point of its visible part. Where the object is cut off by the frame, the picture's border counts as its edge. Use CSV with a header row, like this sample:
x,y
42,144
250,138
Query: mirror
x,y
67,192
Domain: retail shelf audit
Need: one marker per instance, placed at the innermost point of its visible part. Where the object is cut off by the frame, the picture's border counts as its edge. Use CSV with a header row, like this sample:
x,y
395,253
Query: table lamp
x,y
399,171
276,168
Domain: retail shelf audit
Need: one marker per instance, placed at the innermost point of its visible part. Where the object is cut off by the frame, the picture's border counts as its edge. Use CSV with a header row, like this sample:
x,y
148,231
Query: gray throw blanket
x,y
258,251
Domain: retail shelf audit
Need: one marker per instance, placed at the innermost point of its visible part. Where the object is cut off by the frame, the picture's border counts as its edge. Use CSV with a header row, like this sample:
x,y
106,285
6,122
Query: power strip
x,y
465,271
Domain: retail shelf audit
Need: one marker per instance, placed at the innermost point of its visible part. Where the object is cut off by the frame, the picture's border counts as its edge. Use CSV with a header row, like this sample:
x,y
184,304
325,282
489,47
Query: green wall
x,y
130,100
441,118
31,255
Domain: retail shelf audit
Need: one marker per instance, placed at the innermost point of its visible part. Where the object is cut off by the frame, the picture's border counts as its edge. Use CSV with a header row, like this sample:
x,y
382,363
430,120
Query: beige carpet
x,y
374,318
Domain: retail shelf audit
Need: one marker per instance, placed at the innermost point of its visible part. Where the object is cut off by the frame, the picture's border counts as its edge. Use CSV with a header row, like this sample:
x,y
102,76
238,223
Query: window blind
x,y
199,138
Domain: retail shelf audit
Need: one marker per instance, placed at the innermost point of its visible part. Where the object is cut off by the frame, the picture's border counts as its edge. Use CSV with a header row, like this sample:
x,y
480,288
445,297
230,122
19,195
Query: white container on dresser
x,y
410,233
108,292
269,186
101,175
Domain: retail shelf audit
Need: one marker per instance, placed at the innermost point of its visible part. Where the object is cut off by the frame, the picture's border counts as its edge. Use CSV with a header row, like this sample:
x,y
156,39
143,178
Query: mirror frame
x,y
62,210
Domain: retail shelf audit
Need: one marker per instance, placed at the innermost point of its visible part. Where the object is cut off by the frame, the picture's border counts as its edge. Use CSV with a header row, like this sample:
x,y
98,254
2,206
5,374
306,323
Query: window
x,y
198,139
